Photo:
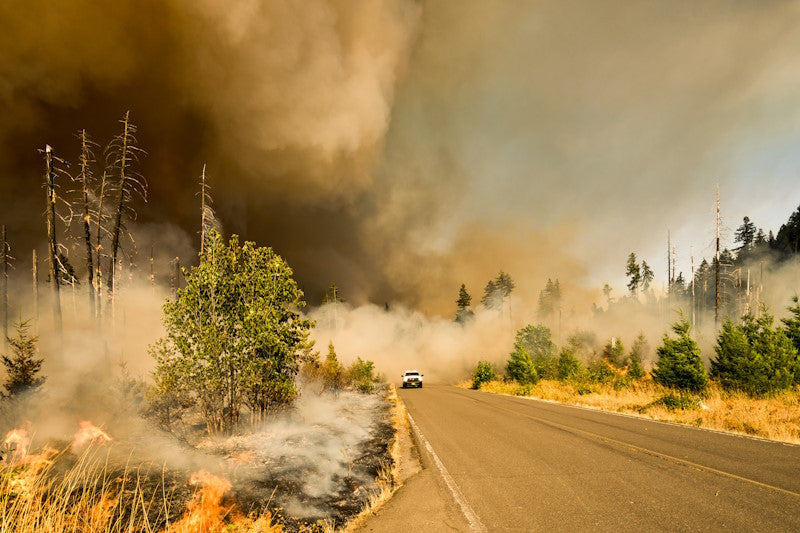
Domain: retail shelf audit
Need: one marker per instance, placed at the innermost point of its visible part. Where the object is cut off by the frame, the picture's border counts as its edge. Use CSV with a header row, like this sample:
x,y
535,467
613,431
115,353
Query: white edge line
x,y
475,523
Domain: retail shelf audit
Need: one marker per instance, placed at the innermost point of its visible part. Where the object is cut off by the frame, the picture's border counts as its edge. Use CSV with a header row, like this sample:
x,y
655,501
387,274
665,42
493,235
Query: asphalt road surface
x,y
498,463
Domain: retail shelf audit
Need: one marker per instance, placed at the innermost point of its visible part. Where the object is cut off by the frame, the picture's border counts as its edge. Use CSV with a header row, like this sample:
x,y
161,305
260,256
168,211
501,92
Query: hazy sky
x,y
402,147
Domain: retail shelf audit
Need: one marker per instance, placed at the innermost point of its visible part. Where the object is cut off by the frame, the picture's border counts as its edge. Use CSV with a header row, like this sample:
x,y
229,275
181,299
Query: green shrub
x,y
569,367
679,364
524,390
598,372
520,367
754,357
684,402
362,375
484,373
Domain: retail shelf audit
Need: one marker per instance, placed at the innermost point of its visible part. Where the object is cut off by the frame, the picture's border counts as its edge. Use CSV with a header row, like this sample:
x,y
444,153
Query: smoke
x,y
381,145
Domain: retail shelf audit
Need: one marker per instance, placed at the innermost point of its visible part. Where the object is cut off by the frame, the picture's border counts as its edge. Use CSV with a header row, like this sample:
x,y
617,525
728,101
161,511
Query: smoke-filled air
x,y
229,228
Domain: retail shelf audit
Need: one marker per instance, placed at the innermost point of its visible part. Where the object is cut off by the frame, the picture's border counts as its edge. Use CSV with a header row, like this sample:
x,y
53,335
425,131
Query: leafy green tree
x,y
537,342
520,367
233,334
639,351
484,373
463,312
22,365
614,353
679,364
754,357
633,271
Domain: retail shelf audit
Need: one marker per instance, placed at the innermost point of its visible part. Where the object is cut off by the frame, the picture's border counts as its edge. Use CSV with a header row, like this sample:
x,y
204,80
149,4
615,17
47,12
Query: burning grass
x,y
776,418
313,469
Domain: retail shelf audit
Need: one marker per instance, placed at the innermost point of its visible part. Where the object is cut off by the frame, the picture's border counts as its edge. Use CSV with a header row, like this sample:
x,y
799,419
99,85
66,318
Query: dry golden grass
x,y
776,418
89,497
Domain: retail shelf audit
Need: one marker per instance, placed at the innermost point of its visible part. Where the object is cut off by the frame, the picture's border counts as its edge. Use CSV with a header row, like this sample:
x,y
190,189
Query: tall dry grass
x,y
38,493
776,418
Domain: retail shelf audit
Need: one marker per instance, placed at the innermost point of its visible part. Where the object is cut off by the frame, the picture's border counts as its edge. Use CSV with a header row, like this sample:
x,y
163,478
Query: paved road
x,y
514,464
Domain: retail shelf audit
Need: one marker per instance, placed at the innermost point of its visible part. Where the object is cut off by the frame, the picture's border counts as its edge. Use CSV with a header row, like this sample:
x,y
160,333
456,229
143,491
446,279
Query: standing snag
x,y
122,155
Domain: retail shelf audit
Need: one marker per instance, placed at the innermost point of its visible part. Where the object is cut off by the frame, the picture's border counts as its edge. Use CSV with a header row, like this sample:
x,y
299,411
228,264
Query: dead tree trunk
x,y
87,220
123,167
51,238
4,285
35,266
98,247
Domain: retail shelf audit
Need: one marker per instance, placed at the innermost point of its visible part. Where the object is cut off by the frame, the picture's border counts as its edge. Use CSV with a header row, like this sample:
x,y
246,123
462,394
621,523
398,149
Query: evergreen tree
x,y
520,367
607,293
463,312
754,357
614,353
549,299
484,373
788,239
792,327
638,353
504,284
492,297
745,234
23,365
634,274
679,363
569,366
647,275
332,369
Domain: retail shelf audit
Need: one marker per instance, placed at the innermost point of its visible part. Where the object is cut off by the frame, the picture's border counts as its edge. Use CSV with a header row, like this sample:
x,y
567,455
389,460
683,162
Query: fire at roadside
x,y
310,469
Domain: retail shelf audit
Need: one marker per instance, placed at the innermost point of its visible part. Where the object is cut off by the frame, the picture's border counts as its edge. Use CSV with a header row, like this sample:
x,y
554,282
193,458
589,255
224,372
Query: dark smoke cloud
x,y
400,148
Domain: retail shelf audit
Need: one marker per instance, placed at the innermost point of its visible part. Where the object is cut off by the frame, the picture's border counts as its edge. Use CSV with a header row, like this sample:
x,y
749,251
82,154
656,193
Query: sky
x,y
402,147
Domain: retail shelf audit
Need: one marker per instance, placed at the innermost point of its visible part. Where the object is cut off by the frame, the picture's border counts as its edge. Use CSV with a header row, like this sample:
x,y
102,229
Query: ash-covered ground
x,y
316,462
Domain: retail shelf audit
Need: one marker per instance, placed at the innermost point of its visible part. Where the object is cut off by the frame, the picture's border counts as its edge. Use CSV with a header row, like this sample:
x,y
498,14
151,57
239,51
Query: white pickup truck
x,y
412,378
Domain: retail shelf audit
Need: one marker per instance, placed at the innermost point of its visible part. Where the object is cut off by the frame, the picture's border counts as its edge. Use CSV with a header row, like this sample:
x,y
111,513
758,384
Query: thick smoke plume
x,y
367,142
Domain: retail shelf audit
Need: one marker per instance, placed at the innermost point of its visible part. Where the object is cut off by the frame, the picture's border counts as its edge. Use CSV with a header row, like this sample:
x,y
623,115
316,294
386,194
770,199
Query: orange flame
x,y
205,512
101,512
18,442
87,433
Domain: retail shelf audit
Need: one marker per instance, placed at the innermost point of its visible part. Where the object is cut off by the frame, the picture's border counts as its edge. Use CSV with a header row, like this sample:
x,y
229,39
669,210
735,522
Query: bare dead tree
x,y
98,231
86,178
52,246
35,271
122,155
717,274
208,218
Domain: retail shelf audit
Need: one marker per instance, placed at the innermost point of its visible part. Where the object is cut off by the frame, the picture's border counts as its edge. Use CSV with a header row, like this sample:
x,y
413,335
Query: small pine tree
x,y
679,364
22,366
463,312
484,373
754,357
332,369
614,353
792,330
638,351
520,367
569,366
